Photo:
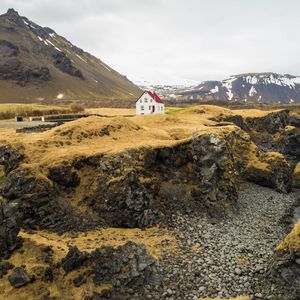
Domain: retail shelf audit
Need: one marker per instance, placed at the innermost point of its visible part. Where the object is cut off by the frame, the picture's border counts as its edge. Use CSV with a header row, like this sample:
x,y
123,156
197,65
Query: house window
x,y
150,100
142,107
146,100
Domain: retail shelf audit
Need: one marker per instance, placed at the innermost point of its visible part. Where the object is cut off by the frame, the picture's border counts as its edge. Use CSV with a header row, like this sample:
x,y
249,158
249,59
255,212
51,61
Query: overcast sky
x,y
177,41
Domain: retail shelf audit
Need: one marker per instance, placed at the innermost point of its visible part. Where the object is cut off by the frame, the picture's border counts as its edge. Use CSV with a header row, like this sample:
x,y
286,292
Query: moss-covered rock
x,y
271,170
285,268
296,177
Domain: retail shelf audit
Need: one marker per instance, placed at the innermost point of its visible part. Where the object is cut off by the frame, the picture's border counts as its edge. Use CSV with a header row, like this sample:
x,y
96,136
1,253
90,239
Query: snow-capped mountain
x,y
254,87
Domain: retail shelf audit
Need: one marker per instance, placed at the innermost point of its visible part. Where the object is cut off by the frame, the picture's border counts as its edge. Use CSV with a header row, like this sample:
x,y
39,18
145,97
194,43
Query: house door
x,y
153,108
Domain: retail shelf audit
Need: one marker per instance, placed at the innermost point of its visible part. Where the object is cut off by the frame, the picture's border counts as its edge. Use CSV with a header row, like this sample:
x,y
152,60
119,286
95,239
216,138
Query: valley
x,y
188,205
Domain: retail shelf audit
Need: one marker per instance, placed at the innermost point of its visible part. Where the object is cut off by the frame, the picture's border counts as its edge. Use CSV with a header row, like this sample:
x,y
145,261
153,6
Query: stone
x,y
73,259
237,271
19,278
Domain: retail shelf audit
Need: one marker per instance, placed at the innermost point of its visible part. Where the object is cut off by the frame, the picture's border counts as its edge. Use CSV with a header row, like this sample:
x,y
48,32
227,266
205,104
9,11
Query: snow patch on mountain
x,y
228,85
252,91
215,90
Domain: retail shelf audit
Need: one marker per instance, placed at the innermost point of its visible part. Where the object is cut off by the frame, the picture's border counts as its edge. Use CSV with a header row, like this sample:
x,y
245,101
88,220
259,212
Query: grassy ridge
x,y
9,111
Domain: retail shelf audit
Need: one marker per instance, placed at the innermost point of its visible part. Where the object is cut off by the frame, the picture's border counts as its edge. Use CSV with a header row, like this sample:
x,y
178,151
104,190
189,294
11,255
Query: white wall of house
x,y
147,106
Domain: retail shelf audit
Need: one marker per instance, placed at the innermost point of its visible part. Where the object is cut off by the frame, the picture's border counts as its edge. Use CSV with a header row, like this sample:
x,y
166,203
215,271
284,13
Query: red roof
x,y
154,96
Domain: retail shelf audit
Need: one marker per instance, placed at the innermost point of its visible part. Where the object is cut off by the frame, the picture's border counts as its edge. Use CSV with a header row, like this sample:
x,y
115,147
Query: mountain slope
x,y
37,64
257,87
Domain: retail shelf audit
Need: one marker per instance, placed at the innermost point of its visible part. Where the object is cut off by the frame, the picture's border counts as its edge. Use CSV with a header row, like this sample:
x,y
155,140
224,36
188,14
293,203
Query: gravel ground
x,y
228,257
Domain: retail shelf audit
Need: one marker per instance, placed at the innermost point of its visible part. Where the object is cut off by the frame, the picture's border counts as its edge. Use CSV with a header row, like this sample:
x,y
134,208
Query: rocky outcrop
x,y
288,141
285,268
9,62
272,170
10,157
74,259
271,123
277,131
126,266
11,68
27,184
134,189
63,63
9,227
64,175
38,204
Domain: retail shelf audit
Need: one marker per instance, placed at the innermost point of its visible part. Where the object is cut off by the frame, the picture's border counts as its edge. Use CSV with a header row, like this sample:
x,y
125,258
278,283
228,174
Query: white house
x,y
149,103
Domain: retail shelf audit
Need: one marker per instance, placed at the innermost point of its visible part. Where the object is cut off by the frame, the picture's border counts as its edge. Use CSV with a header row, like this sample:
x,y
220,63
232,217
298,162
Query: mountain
x,y
252,87
37,64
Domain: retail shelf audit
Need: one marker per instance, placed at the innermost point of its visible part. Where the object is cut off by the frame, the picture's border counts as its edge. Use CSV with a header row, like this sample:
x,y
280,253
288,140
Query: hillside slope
x,y
252,87
36,64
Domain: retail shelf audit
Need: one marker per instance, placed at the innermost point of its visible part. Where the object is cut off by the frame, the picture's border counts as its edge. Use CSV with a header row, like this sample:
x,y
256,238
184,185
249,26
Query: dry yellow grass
x,y
8,111
96,135
1,174
297,176
83,137
156,240
32,257
237,298
292,241
111,111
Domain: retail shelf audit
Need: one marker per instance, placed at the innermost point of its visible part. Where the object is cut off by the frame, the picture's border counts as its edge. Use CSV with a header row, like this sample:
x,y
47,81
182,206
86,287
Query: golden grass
x,y
111,111
265,161
291,242
84,137
2,175
157,240
237,298
32,257
243,261
296,175
9,111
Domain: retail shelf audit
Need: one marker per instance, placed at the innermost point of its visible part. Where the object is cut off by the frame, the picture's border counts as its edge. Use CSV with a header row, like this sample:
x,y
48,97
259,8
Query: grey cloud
x,y
174,40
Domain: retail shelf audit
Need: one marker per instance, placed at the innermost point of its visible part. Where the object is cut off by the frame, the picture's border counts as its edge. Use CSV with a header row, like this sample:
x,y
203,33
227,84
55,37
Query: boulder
x,y
270,170
19,277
